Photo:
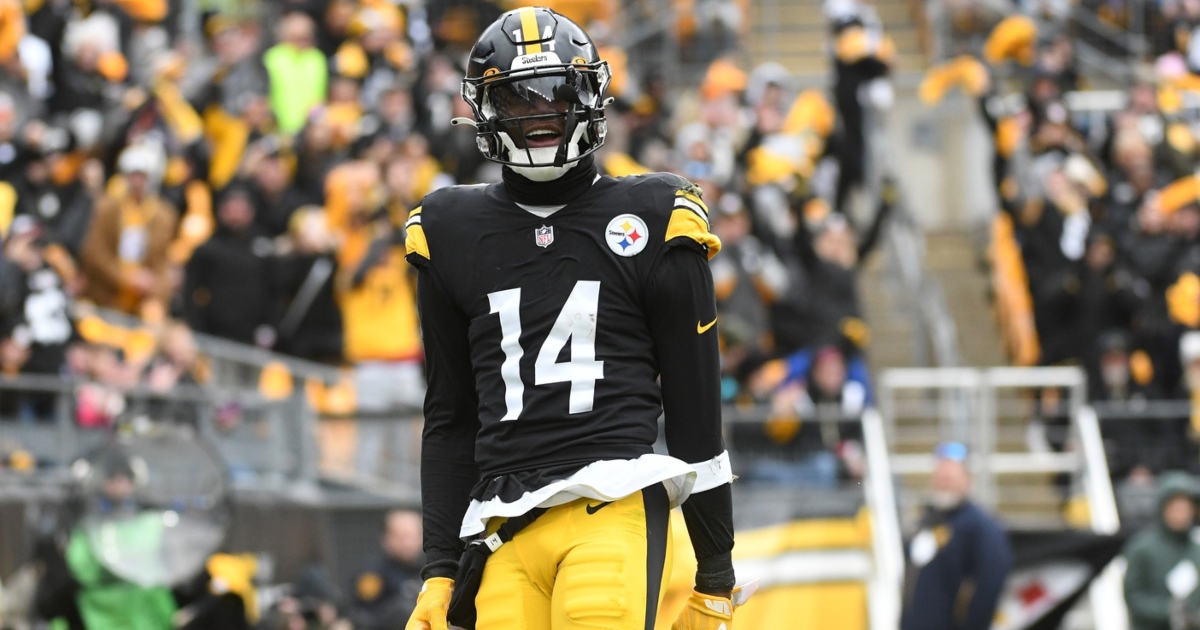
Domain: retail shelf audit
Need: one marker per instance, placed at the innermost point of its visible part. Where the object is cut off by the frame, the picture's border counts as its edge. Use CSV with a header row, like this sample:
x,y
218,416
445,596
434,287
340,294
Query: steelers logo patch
x,y
626,235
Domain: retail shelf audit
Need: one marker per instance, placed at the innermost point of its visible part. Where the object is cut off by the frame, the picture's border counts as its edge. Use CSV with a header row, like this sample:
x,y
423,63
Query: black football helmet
x,y
536,85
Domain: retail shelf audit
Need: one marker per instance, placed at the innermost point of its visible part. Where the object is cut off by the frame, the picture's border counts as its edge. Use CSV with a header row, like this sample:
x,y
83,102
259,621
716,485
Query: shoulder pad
x,y
689,222
656,179
416,246
443,204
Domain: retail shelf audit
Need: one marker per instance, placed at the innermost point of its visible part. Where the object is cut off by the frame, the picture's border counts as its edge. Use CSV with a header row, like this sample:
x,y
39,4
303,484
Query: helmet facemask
x,y
540,120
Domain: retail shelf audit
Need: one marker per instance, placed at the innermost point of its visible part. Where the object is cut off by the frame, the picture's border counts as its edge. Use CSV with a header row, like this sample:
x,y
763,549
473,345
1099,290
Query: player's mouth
x,y
543,135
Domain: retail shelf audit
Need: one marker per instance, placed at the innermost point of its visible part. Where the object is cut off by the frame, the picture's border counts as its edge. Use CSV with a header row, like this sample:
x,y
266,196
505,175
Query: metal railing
x,y
266,444
1107,50
1106,594
964,404
887,579
1107,101
1102,49
232,363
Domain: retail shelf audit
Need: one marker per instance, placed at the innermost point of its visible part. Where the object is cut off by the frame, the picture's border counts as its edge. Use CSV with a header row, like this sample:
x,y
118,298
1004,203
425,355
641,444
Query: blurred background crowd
x,y
1094,255
239,170
176,172
179,177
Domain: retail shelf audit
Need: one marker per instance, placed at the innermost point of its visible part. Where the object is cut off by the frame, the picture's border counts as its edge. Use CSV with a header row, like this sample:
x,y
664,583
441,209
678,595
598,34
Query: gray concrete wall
x,y
941,156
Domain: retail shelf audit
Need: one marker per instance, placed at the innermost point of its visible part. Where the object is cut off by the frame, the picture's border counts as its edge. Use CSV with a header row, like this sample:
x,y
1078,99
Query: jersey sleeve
x,y
688,224
416,246
448,467
682,315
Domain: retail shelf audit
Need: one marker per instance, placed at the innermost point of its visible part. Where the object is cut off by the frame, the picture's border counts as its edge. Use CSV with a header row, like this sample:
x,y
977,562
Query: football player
x,y
563,312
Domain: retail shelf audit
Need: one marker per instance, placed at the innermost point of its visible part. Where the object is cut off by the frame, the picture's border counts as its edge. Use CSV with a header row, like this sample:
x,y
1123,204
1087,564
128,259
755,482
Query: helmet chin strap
x,y
542,173
560,158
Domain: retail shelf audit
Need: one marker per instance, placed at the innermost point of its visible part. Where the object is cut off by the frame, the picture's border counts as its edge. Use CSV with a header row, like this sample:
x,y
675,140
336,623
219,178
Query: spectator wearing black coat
x,y
1088,298
386,588
48,192
275,195
310,324
822,303
960,554
748,278
855,67
229,286
34,327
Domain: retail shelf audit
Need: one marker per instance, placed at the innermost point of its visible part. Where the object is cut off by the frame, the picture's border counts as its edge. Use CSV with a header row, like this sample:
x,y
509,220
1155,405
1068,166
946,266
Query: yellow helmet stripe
x,y
529,31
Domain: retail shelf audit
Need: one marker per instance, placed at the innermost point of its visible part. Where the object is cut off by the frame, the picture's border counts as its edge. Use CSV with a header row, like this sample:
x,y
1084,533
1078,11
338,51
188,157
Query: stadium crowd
x,y
243,173
1095,255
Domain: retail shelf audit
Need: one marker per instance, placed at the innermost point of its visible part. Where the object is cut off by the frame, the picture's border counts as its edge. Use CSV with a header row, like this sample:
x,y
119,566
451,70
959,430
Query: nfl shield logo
x,y
543,236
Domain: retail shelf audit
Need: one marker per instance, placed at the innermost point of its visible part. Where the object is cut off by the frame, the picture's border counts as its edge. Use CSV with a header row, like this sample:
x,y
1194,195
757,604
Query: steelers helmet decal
x,y
536,86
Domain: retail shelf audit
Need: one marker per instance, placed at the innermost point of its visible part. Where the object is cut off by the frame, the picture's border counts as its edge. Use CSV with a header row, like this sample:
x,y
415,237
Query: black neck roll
x,y
556,192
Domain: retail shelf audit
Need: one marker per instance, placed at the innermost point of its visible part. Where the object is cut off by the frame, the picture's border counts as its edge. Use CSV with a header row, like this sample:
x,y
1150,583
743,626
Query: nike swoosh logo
x,y
592,509
702,328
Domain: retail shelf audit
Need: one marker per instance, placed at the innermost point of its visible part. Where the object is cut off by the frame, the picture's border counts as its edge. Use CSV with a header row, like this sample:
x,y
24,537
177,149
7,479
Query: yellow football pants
x,y
584,565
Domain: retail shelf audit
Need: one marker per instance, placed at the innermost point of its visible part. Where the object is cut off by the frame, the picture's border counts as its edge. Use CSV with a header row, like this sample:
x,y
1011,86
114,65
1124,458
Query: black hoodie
x,y
230,287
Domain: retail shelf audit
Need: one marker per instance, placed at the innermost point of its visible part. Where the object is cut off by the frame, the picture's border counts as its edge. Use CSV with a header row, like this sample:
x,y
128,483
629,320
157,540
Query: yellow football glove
x,y
432,604
713,612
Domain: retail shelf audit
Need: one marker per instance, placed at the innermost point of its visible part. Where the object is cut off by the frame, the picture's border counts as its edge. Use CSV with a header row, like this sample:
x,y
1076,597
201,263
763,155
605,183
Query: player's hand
x,y
713,612
432,604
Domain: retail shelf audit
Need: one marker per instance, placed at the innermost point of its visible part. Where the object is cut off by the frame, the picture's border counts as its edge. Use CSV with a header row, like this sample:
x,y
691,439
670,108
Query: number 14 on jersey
x,y
576,322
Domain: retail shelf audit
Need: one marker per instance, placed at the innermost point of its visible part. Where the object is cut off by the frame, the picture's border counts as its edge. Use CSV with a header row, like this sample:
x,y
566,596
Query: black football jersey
x,y
560,347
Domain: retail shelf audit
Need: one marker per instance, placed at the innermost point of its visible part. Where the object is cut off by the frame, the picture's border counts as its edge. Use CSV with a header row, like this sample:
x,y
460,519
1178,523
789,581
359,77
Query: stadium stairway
x,y
891,326
1023,500
952,259
794,34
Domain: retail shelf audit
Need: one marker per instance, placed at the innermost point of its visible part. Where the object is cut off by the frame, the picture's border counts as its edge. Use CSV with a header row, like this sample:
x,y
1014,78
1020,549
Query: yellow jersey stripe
x,y
414,241
529,31
415,212
685,223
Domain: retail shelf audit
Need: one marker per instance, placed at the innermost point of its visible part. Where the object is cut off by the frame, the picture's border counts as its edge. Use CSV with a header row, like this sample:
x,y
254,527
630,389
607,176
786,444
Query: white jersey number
x,y
576,323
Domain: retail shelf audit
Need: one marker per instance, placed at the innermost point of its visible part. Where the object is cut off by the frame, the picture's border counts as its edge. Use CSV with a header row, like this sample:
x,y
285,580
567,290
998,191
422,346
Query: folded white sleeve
x,y
712,473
